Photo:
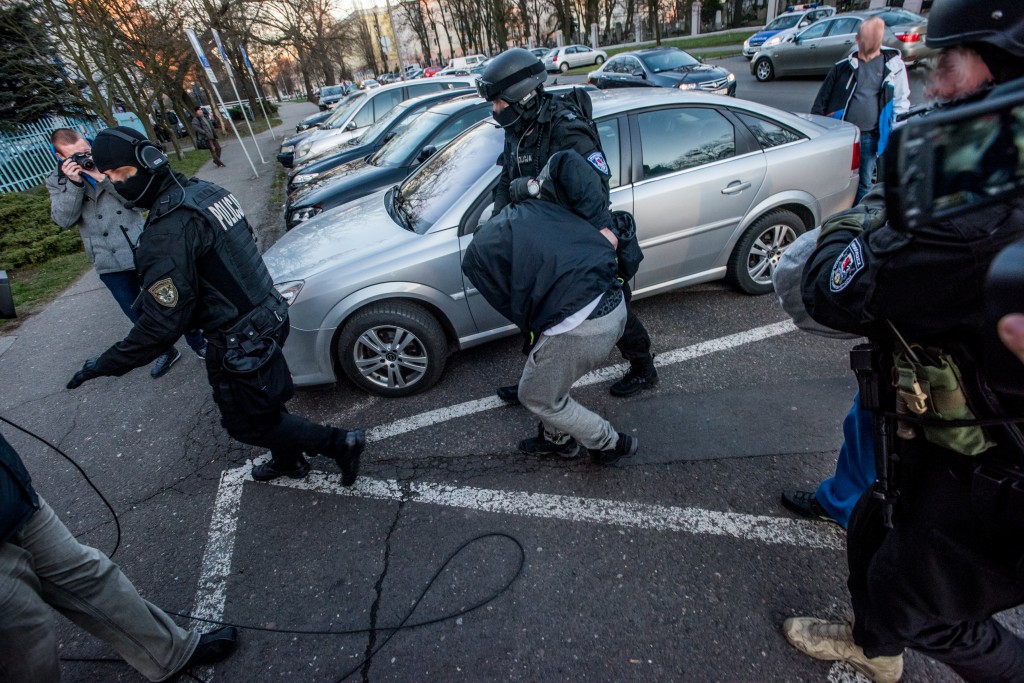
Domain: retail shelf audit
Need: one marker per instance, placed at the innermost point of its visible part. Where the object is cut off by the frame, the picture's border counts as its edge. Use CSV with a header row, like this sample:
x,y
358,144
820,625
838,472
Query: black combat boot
x,y
272,470
345,447
624,447
542,445
641,375
212,647
509,393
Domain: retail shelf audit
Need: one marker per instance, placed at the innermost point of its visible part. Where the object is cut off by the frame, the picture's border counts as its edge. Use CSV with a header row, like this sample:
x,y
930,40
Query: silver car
x,y
572,56
719,188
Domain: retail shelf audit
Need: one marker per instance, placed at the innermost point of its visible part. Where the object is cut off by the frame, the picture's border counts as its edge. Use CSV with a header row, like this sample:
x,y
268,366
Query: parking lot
x,y
676,565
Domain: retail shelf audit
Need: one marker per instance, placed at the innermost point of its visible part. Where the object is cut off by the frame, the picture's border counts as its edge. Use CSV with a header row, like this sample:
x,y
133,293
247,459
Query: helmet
x,y
512,76
999,23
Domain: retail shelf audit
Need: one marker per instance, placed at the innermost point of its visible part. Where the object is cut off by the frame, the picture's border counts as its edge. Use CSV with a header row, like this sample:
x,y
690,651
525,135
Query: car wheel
x,y
757,254
393,349
764,71
563,67
599,60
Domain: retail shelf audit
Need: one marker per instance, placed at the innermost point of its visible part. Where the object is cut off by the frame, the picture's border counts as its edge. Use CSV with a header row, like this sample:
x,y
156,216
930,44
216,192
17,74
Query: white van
x,y
467,62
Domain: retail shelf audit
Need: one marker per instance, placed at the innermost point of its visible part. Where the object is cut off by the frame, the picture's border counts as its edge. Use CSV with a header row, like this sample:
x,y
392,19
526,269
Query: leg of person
x,y
552,368
28,640
215,152
868,162
197,342
86,587
124,286
635,346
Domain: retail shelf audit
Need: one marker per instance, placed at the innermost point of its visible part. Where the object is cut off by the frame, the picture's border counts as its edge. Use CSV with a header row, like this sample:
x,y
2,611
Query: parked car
x,y
425,134
572,56
664,67
813,51
329,95
787,23
372,138
367,106
540,52
719,188
369,84
286,155
312,120
430,71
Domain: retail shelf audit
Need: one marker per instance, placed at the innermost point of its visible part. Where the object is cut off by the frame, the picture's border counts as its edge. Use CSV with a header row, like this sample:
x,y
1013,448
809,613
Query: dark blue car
x,y
663,67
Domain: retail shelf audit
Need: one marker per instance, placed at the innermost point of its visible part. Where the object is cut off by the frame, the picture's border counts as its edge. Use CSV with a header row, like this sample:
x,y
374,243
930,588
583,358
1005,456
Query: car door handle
x,y
734,187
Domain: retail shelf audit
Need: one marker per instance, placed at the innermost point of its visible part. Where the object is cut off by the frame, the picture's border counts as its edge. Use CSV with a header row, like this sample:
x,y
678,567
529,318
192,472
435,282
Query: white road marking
x,y
841,672
433,417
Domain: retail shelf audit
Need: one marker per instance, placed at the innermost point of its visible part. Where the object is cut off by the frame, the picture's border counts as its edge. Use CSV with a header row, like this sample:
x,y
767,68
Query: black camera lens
x,y
84,160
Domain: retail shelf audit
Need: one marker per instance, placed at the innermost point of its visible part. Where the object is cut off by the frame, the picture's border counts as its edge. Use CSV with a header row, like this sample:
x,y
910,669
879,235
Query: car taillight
x,y
909,37
855,160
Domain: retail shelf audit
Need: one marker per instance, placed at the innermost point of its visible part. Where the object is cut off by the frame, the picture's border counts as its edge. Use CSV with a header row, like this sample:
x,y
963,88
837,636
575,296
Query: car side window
x,y
678,139
364,116
844,26
424,88
608,131
633,65
768,134
614,66
583,48
385,102
452,129
816,30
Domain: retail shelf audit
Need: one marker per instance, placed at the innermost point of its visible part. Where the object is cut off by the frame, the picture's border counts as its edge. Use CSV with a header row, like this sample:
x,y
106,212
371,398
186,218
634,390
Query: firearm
x,y
866,363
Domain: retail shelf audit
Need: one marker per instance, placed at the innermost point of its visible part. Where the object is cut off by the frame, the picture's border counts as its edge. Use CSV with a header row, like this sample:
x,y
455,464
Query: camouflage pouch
x,y
934,392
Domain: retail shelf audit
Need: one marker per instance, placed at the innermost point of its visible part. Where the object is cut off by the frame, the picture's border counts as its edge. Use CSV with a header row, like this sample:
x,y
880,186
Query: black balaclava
x,y
110,151
518,117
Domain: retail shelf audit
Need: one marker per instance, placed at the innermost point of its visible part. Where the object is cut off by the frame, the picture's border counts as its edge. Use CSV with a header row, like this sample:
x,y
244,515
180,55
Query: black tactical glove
x,y
87,372
521,189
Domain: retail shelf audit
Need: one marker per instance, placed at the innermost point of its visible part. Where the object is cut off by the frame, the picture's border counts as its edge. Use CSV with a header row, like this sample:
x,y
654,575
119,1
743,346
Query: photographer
x,y
936,548
82,196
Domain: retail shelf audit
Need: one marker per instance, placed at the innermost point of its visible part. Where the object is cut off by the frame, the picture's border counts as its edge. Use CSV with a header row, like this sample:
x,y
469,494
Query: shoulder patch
x,y
849,262
165,293
598,161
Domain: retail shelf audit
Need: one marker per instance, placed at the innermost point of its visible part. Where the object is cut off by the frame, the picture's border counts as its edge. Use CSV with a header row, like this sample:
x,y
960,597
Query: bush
x,y
27,234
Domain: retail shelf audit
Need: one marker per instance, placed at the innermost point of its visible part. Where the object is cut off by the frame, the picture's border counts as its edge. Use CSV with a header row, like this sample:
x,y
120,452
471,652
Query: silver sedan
x,y
719,188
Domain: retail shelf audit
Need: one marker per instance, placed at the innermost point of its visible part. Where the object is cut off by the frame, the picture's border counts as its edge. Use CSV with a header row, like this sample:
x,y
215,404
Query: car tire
x,y
599,61
563,67
758,251
365,352
763,70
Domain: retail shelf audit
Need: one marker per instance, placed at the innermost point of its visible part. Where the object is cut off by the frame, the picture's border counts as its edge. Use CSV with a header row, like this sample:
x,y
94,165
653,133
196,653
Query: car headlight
x,y
289,290
287,148
305,213
746,44
303,150
687,86
771,42
731,77
303,178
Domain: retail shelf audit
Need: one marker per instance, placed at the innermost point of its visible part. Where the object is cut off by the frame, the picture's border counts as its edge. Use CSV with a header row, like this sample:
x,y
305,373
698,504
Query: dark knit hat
x,y
111,151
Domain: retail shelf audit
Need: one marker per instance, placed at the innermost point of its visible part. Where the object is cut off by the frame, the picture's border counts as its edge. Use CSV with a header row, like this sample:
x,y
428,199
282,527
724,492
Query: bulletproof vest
x,y
234,267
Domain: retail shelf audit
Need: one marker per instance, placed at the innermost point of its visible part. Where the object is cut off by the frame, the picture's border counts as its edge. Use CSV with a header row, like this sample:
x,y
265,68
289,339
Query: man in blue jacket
x,y
868,89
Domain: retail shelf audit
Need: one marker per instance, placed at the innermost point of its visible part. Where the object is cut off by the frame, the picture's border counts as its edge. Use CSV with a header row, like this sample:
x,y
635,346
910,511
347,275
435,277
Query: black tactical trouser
x,y
263,420
933,582
635,343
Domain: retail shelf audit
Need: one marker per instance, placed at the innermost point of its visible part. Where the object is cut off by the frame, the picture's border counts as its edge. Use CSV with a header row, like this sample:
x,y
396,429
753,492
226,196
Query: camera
x,y
84,160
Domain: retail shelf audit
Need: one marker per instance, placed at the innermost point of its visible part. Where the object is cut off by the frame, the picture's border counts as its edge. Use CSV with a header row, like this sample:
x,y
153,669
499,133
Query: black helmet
x,y
999,23
512,76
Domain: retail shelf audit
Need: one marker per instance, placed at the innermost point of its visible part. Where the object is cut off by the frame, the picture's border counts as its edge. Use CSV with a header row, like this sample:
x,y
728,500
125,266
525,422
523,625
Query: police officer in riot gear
x,y
936,546
536,126
199,267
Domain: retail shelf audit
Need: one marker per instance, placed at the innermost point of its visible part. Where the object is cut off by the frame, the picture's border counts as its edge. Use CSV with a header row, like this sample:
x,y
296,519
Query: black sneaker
x,y
509,393
638,378
625,446
201,351
805,504
163,364
345,447
271,470
541,445
212,647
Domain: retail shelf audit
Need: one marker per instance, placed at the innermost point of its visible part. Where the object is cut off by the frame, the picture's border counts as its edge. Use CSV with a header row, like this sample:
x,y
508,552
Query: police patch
x,y
597,159
165,293
847,265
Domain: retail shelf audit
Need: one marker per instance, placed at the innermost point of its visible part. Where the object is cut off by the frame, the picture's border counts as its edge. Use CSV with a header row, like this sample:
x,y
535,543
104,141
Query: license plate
x,y
721,91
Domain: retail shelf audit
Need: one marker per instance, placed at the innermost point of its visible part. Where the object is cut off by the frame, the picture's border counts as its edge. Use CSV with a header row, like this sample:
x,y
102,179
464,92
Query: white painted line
x,y
841,672
433,417
775,530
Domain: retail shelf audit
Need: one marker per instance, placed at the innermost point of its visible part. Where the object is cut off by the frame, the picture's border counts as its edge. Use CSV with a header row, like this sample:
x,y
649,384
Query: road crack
x,y
378,588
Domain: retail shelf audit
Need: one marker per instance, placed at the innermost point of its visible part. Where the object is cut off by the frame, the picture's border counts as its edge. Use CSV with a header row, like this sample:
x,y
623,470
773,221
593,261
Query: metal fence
x,y
25,155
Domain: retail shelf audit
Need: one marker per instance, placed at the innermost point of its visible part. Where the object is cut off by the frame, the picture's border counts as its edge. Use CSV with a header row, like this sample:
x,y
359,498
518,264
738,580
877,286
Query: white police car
x,y
793,19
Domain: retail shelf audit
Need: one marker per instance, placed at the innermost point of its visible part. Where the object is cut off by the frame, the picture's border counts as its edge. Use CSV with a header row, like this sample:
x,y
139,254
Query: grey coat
x,y
99,213
203,128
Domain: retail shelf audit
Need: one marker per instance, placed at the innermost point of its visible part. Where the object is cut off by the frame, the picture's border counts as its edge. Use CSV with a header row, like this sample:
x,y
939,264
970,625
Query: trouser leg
x,y
215,151
286,436
28,641
124,286
86,587
868,162
855,466
634,343
556,363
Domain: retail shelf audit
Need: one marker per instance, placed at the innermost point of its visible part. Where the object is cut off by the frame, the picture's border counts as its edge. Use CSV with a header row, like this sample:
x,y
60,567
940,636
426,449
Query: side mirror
x,y
351,125
640,73
701,60
426,153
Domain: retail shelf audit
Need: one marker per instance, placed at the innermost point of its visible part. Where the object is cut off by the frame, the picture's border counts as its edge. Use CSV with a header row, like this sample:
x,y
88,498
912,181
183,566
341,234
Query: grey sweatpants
x,y
44,567
555,363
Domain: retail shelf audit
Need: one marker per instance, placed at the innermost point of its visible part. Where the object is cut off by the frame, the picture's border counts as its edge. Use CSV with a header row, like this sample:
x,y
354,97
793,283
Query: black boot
x,y
509,393
625,446
641,375
345,447
272,470
212,647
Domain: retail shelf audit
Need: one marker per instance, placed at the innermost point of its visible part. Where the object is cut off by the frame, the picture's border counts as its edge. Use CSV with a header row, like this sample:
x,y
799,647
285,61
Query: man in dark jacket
x,y
548,263
953,555
536,126
199,266
868,88
205,133
43,568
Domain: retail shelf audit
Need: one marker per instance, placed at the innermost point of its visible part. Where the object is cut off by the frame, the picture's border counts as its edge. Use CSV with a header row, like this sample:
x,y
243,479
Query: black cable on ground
x,y
117,522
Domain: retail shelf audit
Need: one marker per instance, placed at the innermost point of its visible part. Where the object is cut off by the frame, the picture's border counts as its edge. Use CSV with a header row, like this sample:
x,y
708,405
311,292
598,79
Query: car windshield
x,y
342,110
331,90
669,60
437,184
783,22
409,140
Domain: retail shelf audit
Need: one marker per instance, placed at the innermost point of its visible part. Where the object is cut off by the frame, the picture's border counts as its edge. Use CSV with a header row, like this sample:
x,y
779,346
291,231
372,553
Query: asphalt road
x,y
677,565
